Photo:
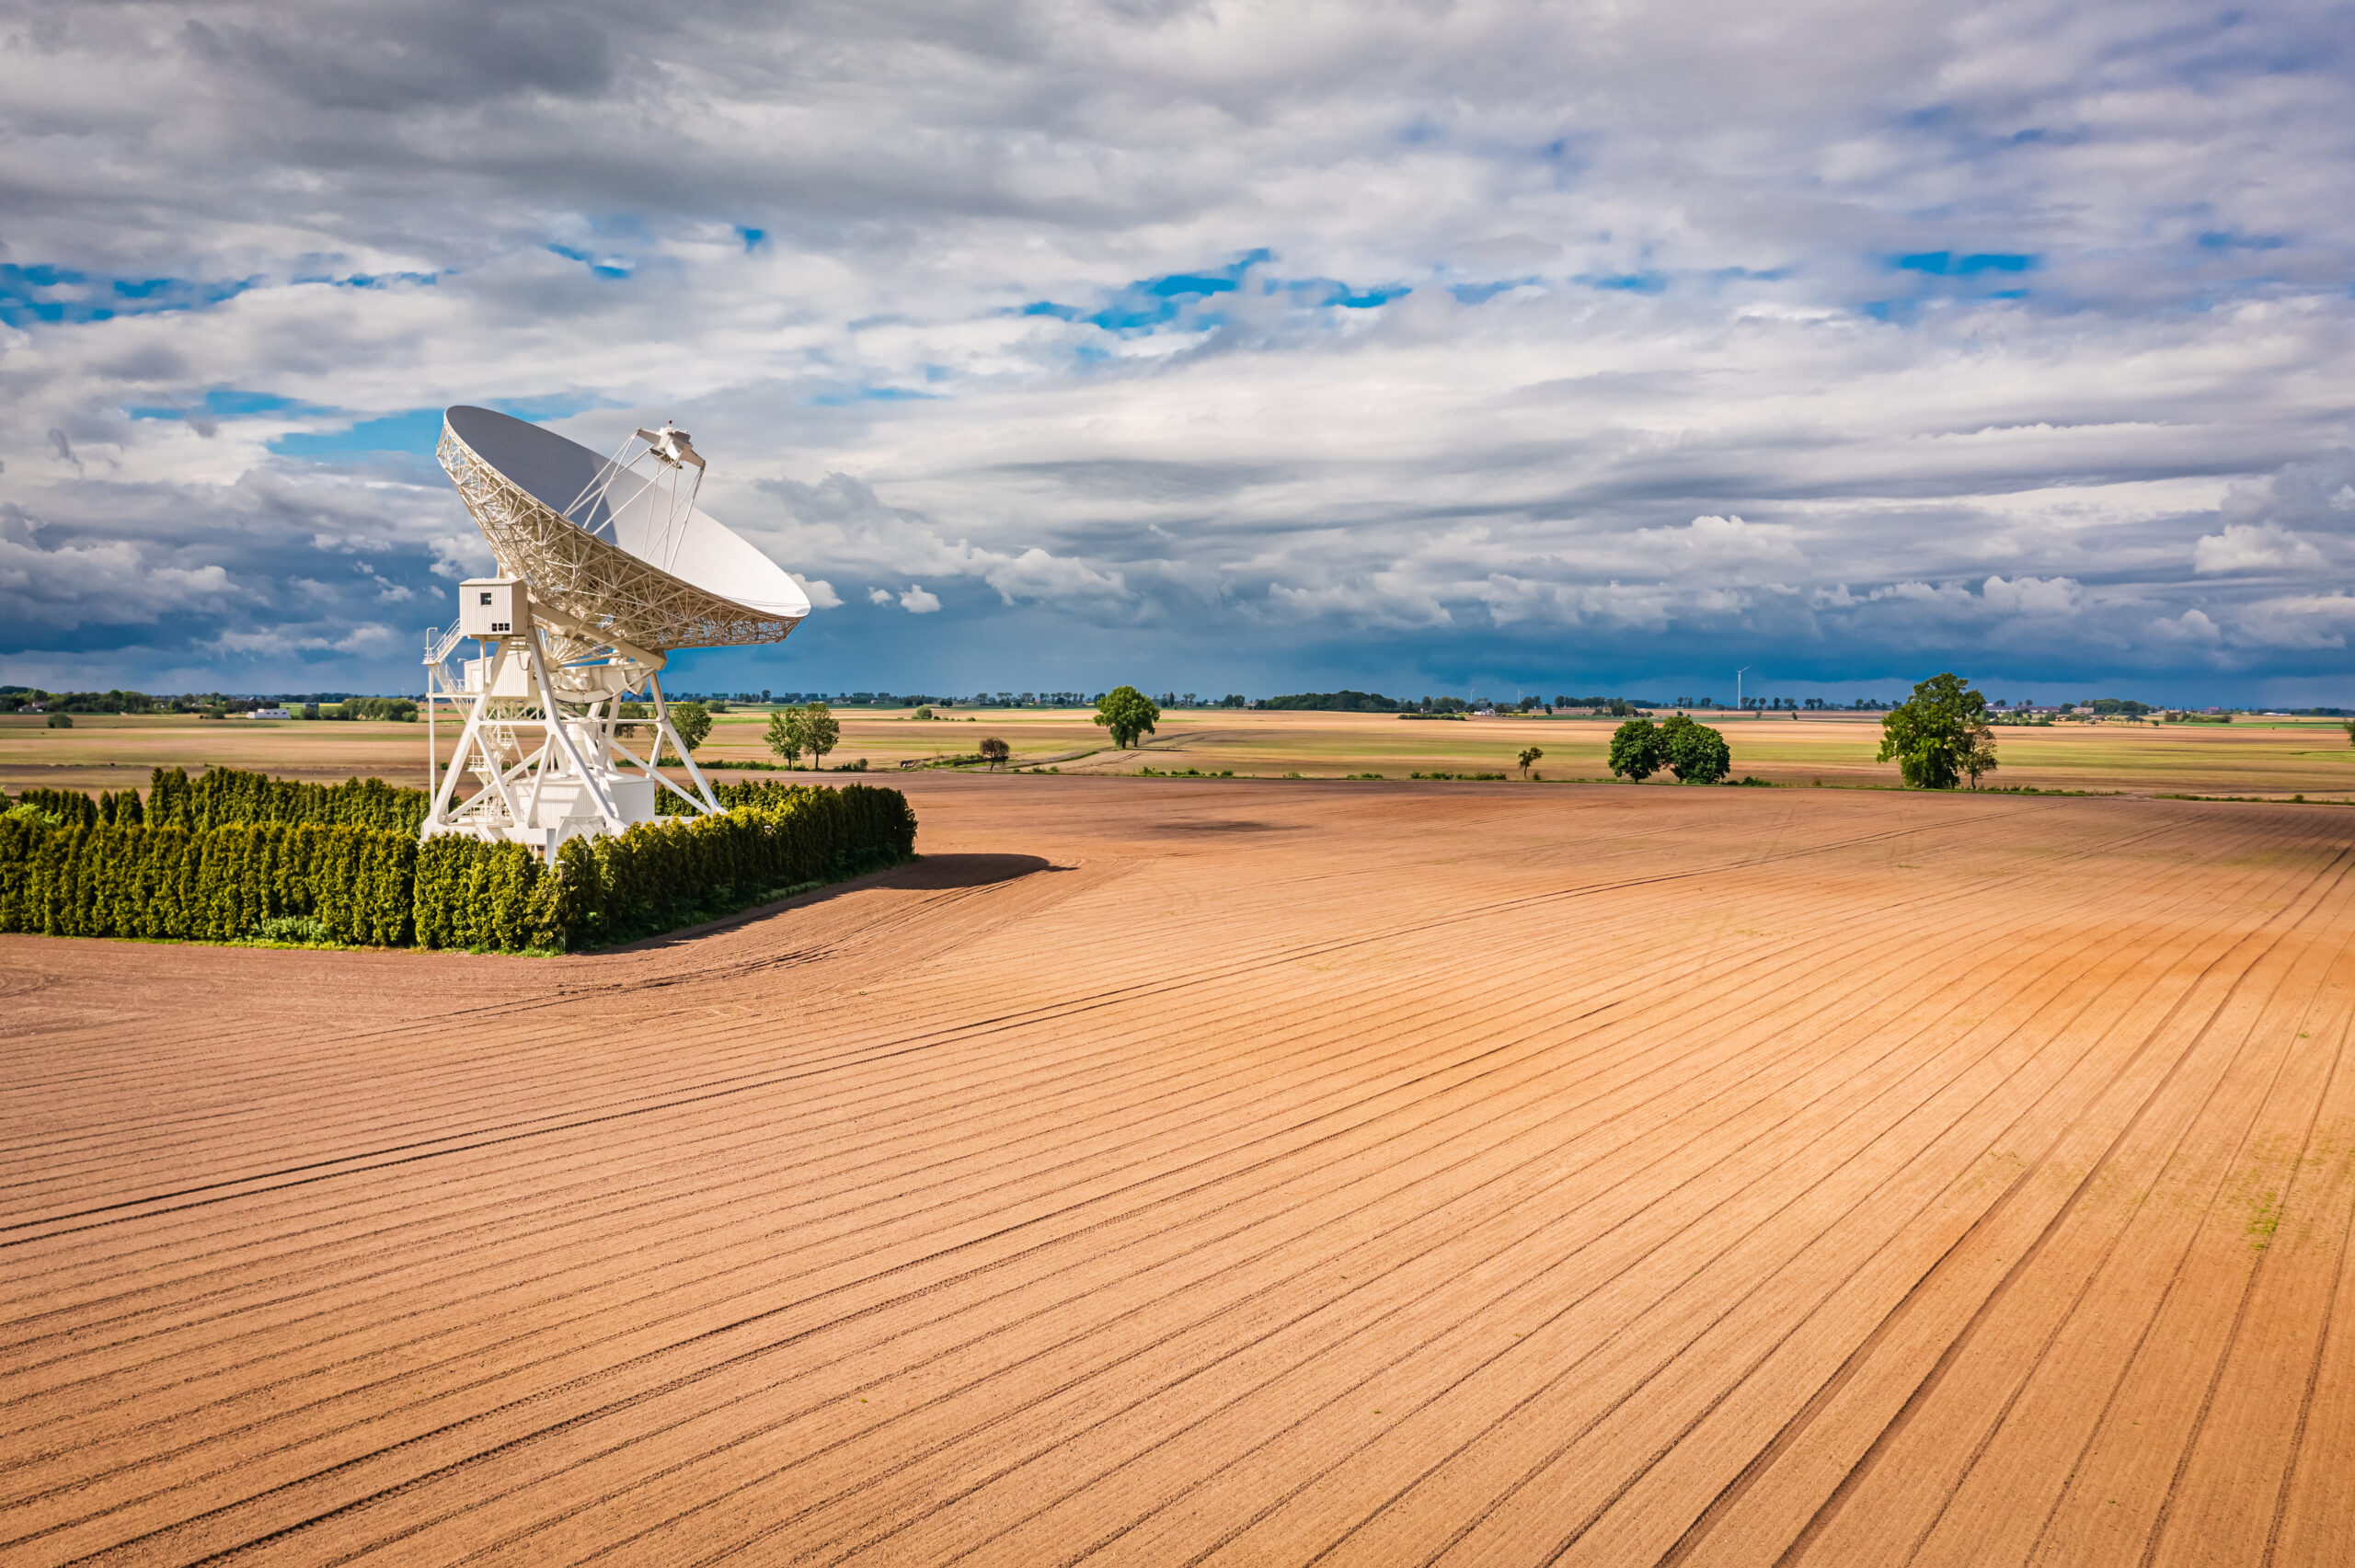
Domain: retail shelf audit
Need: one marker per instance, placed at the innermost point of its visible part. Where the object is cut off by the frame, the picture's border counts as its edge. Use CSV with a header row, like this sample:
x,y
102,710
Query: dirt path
x,y
1174,1173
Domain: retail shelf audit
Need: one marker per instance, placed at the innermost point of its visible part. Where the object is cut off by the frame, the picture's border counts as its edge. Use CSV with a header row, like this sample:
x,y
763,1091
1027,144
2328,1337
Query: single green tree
x,y
692,721
819,730
1939,735
1529,756
60,721
1636,749
624,714
1694,753
784,736
1128,713
994,752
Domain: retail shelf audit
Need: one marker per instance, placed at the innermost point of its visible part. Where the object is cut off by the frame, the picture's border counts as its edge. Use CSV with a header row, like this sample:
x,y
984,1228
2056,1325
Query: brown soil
x,y
1163,1172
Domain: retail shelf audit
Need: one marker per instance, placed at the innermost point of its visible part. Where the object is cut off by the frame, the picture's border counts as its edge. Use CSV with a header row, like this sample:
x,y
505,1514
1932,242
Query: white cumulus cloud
x,y
2260,547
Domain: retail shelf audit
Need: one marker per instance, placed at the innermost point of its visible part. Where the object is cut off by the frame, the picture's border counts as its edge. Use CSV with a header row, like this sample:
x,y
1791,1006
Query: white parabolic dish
x,y
629,566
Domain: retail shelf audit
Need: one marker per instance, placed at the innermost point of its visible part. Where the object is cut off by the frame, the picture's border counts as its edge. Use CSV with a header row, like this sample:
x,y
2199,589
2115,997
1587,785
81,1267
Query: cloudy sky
x,y
1421,347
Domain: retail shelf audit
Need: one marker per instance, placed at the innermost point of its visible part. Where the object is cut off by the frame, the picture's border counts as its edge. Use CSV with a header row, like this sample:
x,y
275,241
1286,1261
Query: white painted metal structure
x,y
606,567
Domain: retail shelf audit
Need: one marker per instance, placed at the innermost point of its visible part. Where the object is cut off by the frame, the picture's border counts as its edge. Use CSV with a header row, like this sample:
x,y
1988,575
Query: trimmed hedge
x,y
74,866
231,795
661,875
129,879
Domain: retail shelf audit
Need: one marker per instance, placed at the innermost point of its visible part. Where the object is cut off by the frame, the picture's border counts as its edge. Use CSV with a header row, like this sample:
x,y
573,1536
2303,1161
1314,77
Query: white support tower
x,y
603,571
545,742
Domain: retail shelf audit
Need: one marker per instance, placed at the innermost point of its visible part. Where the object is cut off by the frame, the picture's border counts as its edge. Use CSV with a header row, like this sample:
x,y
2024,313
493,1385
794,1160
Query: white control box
x,y
507,676
494,607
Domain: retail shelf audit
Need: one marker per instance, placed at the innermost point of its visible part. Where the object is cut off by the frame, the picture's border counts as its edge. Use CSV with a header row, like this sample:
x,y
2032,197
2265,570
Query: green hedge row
x,y
220,884
230,795
67,870
661,875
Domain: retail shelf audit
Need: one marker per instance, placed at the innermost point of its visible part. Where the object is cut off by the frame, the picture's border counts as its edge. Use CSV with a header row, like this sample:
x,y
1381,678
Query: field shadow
x,y
937,871
934,872
1223,825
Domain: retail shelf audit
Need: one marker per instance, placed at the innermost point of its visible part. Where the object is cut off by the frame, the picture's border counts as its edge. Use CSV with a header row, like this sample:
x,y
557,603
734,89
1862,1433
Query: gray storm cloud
x,y
1255,343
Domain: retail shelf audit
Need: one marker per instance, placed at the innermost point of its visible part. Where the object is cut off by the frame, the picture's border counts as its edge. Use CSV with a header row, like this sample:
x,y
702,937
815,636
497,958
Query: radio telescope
x,y
606,567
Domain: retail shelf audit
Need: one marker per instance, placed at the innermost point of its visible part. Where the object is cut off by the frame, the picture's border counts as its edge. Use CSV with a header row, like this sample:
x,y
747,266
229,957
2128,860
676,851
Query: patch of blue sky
x,y
1179,298
1628,282
1340,295
232,403
412,431
1145,316
417,432
2218,239
59,295
228,403
1480,293
1947,264
604,266
1178,285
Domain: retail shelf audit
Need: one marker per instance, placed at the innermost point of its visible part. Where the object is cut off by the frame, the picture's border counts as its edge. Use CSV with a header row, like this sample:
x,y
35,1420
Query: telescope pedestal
x,y
544,742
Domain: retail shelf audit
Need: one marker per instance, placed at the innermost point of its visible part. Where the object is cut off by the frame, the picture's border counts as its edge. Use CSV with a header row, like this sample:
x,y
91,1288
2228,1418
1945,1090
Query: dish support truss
x,y
542,736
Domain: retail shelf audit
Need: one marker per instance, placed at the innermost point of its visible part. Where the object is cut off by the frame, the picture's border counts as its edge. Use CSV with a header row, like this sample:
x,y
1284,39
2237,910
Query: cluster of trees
x,y
1692,750
214,704
14,699
1021,700
1617,707
811,727
401,710
1332,702
98,867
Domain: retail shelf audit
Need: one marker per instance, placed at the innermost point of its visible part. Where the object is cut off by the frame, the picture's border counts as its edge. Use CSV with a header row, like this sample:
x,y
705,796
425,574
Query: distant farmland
x,y
2277,757
1239,1173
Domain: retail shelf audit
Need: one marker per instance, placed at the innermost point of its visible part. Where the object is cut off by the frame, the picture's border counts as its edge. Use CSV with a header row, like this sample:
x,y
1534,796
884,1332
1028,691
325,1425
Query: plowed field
x,y
1241,1173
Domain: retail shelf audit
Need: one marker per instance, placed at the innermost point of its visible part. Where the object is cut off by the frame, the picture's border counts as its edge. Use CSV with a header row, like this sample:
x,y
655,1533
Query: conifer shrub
x,y
72,866
66,805
233,795
218,885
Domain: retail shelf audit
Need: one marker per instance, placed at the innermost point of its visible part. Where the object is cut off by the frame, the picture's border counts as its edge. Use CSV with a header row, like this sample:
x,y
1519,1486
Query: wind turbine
x,y
1737,688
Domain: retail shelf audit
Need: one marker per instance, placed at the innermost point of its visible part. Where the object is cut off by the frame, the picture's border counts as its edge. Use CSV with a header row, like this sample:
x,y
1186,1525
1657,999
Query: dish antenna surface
x,y
606,567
